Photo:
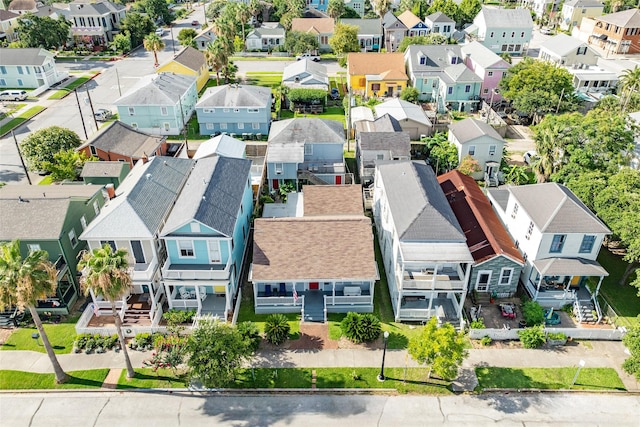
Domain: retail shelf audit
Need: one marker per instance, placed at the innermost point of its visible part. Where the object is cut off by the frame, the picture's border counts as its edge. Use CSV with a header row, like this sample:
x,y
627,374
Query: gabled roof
x,y
268,29
94,7
103,169
306,255
437,57
313,25
142,201
189,57
365,26
157,89
584,3
482,55
391,19
401,110
460,73
212,195
397,143
419,208
307,72
302,130
486,236
505,18
24,56
438,17
384,123
625,19
469,129
409,19
569,267
332,200
553,208
383,64
361,113
562,44
120,138
34,212
221,145
22,5
235,95
6,15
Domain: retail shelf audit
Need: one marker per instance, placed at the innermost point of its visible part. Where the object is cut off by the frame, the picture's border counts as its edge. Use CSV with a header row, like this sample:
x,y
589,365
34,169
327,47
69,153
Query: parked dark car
x,y
335,93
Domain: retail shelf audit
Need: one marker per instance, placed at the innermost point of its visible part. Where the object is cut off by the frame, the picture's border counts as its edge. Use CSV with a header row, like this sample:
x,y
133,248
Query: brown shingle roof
x,y
191,58
323,200
409,19
391,64
313,25
6,15
625,19
313,248
486,236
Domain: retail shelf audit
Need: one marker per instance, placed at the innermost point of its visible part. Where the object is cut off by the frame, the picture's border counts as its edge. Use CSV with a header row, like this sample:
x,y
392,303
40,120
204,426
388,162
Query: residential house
x,y
424,249
235,109
327,264
574,10
8,26
159,104
439,23
376,74
120,142
95,22
593,79
22,6
559,238
541,7
305,150
104,173
29,68
415,26
479,140
204,37
363,121
305,74
617,32
369,33
266,37
357,5
132,220
487,65
51,219
188,62
221,145
411,117
205,236
567,51
375,147
394,31
440,76
497,262
502,30
320,5
322,28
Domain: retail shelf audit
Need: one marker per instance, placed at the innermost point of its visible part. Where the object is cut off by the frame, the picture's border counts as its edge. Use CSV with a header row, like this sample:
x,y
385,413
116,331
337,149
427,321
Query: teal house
x,y
51,219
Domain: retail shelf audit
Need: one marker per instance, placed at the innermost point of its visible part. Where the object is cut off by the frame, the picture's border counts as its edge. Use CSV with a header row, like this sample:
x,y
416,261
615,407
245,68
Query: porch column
x,y
93,297
463,294
255,294
333,295
595,295
198,300
167,290
227,297
535,298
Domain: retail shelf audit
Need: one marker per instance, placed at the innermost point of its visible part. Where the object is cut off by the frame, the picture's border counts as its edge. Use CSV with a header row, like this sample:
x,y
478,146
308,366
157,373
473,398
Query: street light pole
x,y
384,353
580,366
26,171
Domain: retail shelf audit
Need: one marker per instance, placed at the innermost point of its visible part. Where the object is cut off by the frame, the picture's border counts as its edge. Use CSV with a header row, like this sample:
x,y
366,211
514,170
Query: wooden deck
x,y
137,314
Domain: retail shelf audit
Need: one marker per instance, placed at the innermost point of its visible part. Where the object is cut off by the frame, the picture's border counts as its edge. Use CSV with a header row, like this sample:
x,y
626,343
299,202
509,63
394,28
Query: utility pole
x,y
93,113
184,127
84,127
26,171
118,79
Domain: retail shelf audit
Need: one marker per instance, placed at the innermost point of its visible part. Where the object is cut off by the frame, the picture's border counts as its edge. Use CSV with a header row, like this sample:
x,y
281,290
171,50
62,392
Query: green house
x,y
51,218
103,173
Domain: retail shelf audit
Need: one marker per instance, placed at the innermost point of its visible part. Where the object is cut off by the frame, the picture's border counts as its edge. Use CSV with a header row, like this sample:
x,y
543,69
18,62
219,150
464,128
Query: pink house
x,y
488,66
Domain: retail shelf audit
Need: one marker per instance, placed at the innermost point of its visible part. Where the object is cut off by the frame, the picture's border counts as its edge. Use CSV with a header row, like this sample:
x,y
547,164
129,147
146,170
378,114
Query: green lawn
x,y
19,380
147,378
622,298
330,113
549,378
261,78
47,180
61,337
17,121
193,131
59,94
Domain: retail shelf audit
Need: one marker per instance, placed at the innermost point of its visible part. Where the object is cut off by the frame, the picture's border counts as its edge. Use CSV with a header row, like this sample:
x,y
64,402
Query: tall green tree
x,y
335,8
187,37
217,57
441,154
468,10
40,146
108,276
629,84
216,351
153,43
158,9
243,13
420,40
67,165
137,26
43,31
255,8
343,41
298,42
442,349
24,281
121,43
381,7
448,7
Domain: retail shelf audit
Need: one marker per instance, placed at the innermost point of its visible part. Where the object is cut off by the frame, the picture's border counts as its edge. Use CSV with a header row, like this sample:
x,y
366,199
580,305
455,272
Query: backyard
x,y
622,298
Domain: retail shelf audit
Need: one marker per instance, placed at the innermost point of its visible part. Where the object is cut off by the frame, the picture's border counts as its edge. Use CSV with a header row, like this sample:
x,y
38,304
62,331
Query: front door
x,y
482,283
338,180
275,184
389,91
138,253
314,286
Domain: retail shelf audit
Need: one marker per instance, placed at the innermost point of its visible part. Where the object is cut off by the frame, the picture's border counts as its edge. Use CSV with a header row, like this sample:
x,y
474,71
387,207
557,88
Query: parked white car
x,y
314,58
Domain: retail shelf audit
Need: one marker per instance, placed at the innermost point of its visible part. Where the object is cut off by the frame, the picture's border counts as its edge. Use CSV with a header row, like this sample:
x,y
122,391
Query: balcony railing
x,y
144,271
449,281
172,271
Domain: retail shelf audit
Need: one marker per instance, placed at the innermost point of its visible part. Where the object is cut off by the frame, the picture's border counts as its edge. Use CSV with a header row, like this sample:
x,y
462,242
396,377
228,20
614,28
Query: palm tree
x,y
629,82
153,43
107,275
216,57
243,14
335,8
24,281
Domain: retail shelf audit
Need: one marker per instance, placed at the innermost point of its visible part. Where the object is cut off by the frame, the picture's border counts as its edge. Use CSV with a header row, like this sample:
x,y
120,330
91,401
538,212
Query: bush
x,y
558,336
250,331
176,317
532,337
477,324
91,342
307,96
533,313
276,328
142,342
359,327
486,340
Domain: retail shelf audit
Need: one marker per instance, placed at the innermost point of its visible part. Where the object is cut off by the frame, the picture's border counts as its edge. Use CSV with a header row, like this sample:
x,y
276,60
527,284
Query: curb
x,y
211,391
557,391
30,118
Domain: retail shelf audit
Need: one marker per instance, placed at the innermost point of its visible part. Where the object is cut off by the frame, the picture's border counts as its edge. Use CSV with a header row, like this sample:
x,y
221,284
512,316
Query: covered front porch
x,y
421,308
210,298
66,292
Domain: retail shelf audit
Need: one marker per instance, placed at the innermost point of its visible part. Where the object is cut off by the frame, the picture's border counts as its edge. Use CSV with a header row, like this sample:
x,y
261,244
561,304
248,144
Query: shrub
x,y
307,96
532,337
174,317
486,340
559,336
276,328
477,324
359,327
142,342
533,313
250,331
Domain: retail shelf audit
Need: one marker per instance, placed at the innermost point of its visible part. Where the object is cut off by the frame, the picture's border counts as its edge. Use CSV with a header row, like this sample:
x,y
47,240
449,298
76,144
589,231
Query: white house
x,y
270,35
305,74
567,51
560,239
28,68
439,23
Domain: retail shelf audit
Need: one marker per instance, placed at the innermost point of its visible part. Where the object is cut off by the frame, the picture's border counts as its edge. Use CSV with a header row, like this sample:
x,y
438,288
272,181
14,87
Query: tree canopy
x,y
428,39
158,9
67,165
137,26
439,347
43,31
298,42
187,37
40,147
343,41
448,7
441,154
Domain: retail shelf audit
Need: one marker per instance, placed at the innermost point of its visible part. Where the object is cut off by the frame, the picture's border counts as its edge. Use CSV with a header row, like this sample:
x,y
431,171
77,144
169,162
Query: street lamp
x,y
35,336
384,353
580,366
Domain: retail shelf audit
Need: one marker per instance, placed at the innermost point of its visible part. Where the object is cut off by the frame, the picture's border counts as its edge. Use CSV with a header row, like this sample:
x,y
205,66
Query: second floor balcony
x,y
449,278
175,271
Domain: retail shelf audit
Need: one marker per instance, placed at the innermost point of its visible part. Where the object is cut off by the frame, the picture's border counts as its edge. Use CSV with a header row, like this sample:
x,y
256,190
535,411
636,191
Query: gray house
x,y
394,31
375,147
270,35
411,117
369,33
305,74
95,22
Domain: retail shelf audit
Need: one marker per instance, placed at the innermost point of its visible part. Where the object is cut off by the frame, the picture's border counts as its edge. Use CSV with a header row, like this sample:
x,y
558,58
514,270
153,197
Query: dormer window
x,y
423,60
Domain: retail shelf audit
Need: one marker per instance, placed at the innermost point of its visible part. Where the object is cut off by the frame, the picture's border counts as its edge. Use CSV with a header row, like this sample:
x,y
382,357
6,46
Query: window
x,y
33,247
134,125
253,110
164,111
490,74
379,156
308,149
503,48
504,34
472,150
3,82
467,88
240,125
214,251
504,74
83,222
255,126
3,69
185,247
208,110
529,231
505,276
93,150
491,35
375,86
108,242
96,207
485,91
132,111
515,210
557,243
223,126
423,60
20,82
20,70
522,34
587,244
209,126
72,238
492,150
582,51
278,168
450,90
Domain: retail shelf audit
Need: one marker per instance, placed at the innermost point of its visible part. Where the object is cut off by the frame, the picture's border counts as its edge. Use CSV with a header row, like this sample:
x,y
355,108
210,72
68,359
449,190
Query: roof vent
x,y
148,176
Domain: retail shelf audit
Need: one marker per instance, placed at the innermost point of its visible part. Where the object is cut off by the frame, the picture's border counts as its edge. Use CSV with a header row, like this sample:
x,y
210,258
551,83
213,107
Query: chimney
x,y
111,192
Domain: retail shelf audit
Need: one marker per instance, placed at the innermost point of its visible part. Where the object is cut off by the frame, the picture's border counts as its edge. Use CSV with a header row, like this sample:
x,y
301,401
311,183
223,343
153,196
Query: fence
x,y
575,333
236,309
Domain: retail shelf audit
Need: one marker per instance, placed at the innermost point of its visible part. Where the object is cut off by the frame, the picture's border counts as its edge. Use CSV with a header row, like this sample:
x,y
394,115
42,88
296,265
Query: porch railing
x,y
278,301
428,284
187,274
184,303
350,300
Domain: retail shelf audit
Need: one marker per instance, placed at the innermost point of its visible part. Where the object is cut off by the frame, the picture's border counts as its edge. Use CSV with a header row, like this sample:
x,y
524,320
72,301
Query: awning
x,y
569,267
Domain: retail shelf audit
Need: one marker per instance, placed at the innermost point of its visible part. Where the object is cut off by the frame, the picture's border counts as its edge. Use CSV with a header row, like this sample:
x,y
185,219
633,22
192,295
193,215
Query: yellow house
x,y
188,62
376,74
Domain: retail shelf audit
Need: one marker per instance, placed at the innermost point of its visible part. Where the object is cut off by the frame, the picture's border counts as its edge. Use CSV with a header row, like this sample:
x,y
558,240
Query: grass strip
x,y
59,94
61,337
17,121
20,380
549,378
